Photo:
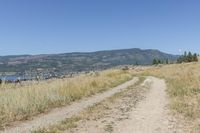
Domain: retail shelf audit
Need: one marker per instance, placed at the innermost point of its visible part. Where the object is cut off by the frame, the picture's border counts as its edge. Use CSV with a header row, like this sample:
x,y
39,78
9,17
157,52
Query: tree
x,y
167,61
159,61
155,62
189,57
185,54
195,57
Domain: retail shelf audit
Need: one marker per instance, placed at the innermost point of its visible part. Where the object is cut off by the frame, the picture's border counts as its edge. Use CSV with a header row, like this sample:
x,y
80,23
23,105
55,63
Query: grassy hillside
x,y
20,102
183,82
81,61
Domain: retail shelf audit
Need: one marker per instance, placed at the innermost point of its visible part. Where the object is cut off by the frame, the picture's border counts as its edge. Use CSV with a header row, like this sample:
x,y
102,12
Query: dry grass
x,y
21,102
98,111
183,87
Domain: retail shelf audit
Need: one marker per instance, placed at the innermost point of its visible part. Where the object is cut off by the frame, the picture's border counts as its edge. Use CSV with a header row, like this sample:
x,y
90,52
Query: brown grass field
x,y
183,81
20,102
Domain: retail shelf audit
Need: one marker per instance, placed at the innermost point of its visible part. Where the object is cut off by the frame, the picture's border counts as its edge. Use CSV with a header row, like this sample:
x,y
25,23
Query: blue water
x,y
11,78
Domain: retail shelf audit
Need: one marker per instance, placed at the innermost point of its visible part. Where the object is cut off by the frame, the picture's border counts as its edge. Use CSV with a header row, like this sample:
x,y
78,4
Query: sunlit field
x,y
20,102
183,82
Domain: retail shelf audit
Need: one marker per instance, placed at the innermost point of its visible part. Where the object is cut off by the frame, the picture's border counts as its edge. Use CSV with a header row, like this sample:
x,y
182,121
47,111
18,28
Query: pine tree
x,y
167,61
195,57
155,62
189,57
185,54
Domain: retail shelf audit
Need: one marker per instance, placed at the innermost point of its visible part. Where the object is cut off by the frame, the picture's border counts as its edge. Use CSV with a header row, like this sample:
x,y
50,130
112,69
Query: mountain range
x,y
82,61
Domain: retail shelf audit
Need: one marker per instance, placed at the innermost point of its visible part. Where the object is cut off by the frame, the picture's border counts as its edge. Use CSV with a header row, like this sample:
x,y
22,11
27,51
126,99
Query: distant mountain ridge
x,y
82,61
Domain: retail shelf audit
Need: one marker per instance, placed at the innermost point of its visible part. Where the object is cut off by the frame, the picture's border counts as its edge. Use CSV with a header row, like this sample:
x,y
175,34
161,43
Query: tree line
x,y
188,57
158,61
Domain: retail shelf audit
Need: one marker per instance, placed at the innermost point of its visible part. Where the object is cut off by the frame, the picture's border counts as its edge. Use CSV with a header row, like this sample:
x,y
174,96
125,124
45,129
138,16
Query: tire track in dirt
x,y
143,109
152,114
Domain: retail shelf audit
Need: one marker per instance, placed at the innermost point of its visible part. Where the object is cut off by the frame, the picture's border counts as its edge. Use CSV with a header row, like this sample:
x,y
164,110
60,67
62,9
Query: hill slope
x,y
81,61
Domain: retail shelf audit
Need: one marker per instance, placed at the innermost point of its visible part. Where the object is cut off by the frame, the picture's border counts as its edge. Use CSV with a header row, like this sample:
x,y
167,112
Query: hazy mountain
x,y
81,61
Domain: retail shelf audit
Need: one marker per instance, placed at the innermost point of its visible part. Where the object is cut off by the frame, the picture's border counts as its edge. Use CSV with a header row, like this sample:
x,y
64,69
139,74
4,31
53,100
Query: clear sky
x,y
59,26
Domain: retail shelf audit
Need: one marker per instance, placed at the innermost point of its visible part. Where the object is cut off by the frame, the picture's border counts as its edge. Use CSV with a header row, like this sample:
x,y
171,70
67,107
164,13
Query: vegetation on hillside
x,y
159,61
188,57
81,61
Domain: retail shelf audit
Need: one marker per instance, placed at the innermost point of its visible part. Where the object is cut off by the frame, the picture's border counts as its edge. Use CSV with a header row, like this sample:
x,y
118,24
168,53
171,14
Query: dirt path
x,y
60,114
151,114
143,109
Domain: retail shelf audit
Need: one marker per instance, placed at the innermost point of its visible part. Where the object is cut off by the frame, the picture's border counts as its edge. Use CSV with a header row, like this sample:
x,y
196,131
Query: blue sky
x,y
59,26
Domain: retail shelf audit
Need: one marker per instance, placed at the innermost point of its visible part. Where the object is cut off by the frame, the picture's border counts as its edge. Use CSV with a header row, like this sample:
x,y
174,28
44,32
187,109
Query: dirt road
x,y
60,114
151,114
138,110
